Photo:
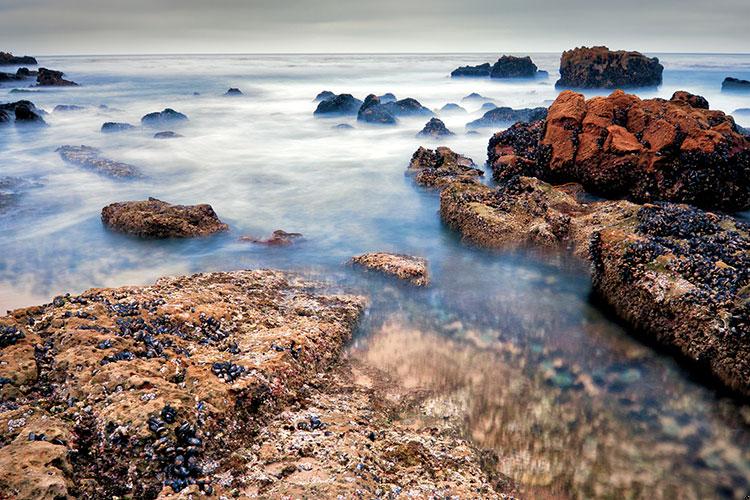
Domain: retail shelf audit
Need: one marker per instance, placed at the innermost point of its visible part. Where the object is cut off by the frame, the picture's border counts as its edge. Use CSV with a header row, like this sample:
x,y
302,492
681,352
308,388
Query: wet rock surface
x,y
115,392
503,116
277,238
440,167
621,146
372,111
479,71
154,218
92,159
514,67
52,78
9,59
599,67
342,104
167,134
435,128
731,84
110,127
22,112
166,117
404,267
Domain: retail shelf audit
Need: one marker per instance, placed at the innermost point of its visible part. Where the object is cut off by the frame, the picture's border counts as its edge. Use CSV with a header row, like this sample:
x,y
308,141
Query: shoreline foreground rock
x,y
599,67
404,267
158,219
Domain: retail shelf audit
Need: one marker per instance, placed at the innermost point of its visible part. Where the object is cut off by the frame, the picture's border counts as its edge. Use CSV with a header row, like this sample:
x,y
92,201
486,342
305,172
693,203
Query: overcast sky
x,y
195,26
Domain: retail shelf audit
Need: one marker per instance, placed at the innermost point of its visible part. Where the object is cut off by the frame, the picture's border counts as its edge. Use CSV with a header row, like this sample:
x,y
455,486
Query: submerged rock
x,y
731,84
233,92
167,134
479,71
503,116
278,238
154,218
7,58
21,112
404,267
435,128
343,126
599,67
440,167
90,158
643,150
63,108
159,118
109,127
115,394
51,78
342,104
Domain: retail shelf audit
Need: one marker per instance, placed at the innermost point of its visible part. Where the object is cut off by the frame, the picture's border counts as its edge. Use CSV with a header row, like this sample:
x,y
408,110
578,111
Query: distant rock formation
x,y
342,104
110,127
159,118
731,84
52,78
599,67
64,108
6,58
233,92
505,67
479,71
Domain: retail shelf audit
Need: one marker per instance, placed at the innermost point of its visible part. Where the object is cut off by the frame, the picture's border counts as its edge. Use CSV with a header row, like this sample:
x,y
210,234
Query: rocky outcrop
x,y
51,78
278,238
21,112
20,74
504,116
623,147
141,391
514,67
440,167
233,92
167,117
109,127
406,107
435,128
599,67
91,158
342,104
372,111
326,94
7,58
154,218
474,97
731,84
452,108
480,71
167,134
404,267
387,97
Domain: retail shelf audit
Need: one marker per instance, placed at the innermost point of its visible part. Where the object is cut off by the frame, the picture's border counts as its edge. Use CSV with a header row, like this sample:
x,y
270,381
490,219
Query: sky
x,y
56,27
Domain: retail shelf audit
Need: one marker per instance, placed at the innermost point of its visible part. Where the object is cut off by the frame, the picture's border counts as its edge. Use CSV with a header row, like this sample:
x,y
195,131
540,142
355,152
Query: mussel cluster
x,y
9,335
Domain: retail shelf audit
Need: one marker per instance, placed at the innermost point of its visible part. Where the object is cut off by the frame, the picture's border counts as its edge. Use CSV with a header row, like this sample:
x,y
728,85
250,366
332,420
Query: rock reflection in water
x,y
558,430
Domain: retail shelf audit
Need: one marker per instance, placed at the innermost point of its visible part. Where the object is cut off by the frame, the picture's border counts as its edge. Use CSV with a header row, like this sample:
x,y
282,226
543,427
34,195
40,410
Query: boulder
x,y
51,78
440,167
154,218
90,158
326,94
167,134
387,97
599,67
514,67
452,108
64,108
21,112
278,238
342,104
406,107
503,116
482,70
731,84
6,58
404,267
623,147
167,117
372,111
233,92
109,127
435,128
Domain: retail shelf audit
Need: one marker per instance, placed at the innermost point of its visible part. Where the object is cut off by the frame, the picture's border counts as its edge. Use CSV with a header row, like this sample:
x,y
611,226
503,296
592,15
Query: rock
x,y
503,116
90,158
166,117
51,78
735,85
741,111
167,134
154,218
440,167
342,104
435,128
452,108
343,126
127,401
326,94
475,97
403,267
233,92
20,74
6,58
278,238
63,108
514,67
406,107
372,111
487,106
694,101
21,112
599,67
109,127
623,147
482,70
387,97
680,276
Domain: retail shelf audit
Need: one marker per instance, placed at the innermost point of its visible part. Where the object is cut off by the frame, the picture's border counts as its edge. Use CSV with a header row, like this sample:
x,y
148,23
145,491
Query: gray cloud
x,y
159,26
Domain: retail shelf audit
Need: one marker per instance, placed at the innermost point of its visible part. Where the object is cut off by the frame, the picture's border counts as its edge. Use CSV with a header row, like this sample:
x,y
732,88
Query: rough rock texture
x,y
497,117
21,112
154,218
109,127
440,167
342,104
372,111
278,238
90,158
682,275
404,267
435,128
51,78
8,58
622,146
134,391
233,92
166,117
167,134
514,67
599,67
731,84
482,70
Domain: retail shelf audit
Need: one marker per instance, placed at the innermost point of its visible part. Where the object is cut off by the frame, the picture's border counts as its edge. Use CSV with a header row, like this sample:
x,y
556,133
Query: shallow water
x,y
572,404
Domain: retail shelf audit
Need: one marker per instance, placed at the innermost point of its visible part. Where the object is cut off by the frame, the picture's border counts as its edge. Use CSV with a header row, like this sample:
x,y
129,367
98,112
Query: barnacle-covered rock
x,y
441,166
599,67
154,218
404,267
